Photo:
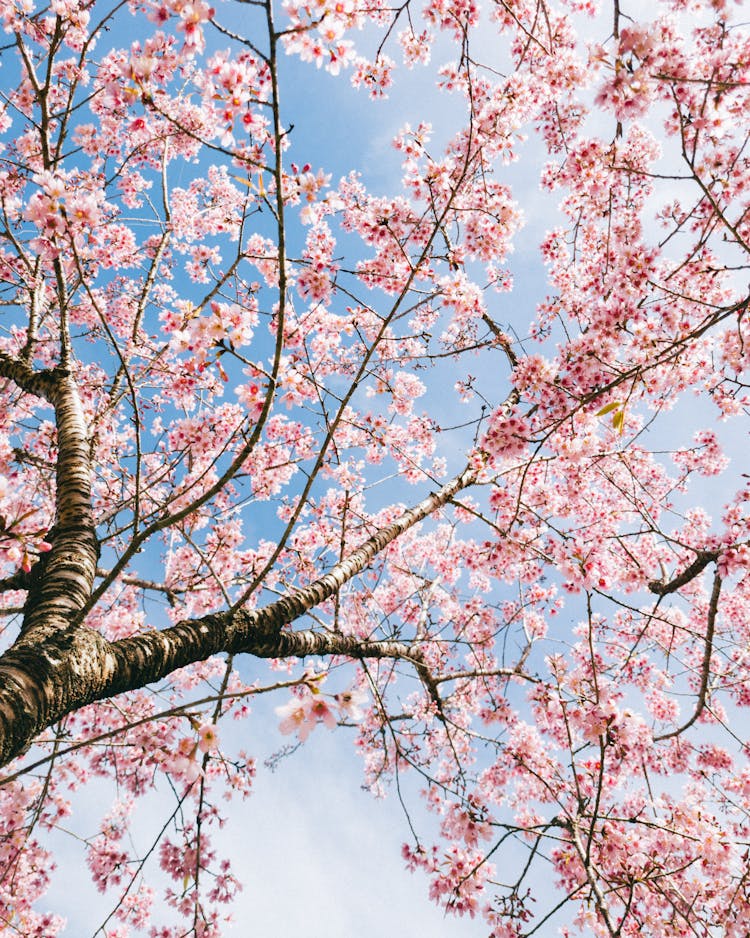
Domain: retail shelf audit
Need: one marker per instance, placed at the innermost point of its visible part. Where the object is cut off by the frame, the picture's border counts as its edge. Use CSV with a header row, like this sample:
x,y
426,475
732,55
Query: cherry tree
x,y
264,430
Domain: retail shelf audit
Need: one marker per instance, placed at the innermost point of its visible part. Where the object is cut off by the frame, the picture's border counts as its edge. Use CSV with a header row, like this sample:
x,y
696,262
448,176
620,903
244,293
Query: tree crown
x,y
253,411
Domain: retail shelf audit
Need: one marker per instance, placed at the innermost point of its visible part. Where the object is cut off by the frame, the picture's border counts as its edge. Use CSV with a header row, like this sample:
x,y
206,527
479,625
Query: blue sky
x,y
318,856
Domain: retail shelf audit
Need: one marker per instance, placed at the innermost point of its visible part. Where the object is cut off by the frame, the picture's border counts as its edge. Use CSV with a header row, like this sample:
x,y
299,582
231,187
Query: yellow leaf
x,y
608,408
618,421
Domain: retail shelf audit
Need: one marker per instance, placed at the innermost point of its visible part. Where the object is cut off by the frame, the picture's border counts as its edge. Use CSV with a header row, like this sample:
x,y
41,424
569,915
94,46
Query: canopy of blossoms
x,y
270,428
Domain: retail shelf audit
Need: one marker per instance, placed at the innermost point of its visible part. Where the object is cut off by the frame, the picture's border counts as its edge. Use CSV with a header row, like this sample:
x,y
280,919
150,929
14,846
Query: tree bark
x,y
57,668
62,580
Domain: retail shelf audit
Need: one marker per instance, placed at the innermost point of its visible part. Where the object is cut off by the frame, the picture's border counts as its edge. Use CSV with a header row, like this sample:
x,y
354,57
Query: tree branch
x,y
41,683
62,580
39,383
713,606
702,560
20,580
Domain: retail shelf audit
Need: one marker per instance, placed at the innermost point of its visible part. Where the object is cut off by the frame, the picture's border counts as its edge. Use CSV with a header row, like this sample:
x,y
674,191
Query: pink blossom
x,y
208,737
301,715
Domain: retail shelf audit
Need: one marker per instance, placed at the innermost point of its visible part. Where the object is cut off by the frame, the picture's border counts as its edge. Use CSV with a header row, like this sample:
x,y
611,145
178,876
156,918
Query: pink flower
x,y
295,719
301,716
321,711
350,703
208,737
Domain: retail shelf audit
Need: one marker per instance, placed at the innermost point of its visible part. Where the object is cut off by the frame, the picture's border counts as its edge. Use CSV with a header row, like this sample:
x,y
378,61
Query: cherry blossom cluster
x,y
311,707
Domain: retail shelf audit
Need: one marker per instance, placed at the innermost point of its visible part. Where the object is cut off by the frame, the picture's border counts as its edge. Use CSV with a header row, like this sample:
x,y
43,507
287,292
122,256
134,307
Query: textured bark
x,y
63,581
43,680
38,383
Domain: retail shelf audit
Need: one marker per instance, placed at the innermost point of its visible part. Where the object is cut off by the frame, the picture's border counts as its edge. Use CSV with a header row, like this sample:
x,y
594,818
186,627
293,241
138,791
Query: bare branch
x,y
702,560
713,606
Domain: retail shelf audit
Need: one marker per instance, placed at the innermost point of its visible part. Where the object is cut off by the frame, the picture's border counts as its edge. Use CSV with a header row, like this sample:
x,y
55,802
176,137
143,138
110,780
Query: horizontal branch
x,y
39,684
517,671
702,560
20,580
39,383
